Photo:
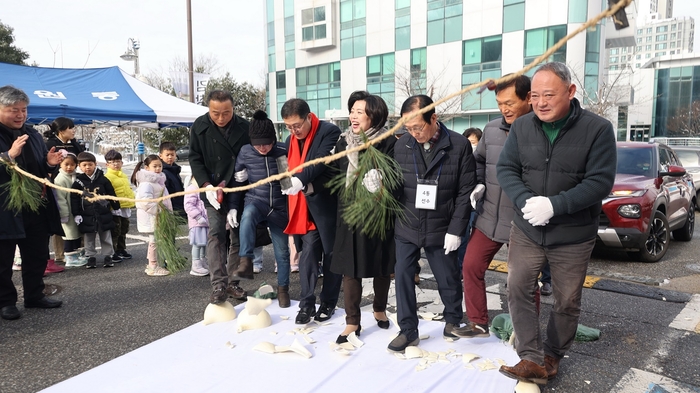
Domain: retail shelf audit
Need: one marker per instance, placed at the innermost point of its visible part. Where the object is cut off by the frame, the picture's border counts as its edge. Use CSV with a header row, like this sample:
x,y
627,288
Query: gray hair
x,y
558,69
10,95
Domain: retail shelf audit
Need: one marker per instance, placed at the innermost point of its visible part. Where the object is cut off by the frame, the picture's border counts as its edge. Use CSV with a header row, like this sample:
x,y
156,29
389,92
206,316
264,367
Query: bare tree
x,y
159,81
410,82
685,122
205,64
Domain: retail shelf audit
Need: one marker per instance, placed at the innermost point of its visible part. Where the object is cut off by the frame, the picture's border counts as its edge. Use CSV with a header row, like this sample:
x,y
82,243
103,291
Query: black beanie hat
x,y
261,131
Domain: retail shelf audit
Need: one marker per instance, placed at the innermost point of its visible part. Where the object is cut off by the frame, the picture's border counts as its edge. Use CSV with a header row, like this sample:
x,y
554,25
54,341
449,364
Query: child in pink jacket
x,y
199,226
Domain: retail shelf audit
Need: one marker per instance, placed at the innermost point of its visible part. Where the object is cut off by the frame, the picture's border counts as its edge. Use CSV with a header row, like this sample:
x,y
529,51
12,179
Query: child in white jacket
x,y
72,236
149,178
199,227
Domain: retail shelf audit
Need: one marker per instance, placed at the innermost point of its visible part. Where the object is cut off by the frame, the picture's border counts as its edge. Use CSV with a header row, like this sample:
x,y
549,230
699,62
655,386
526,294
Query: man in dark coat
x,y
557,166
216,139
439,175
312,207
29,230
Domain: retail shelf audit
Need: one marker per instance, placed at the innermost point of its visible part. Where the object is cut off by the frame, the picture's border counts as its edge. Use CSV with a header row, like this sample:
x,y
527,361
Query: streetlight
x,y
132,54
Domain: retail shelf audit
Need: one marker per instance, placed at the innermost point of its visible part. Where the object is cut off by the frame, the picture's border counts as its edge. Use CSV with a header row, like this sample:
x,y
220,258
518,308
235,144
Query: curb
x,y
627,288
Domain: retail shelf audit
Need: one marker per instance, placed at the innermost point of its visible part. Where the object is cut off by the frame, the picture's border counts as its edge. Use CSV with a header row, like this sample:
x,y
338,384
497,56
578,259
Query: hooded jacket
x,y
122,187
66,180
267,198
151,185
576,172
97,216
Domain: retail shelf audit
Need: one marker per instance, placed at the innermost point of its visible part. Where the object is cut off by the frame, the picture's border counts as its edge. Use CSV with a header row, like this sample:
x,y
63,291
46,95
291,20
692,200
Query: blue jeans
x,y
250,219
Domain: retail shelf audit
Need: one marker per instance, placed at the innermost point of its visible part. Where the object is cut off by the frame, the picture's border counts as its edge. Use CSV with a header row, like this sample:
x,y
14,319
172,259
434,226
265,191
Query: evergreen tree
x,y
8,52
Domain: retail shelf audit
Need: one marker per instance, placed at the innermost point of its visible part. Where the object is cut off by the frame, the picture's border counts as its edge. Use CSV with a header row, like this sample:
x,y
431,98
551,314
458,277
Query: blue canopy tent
x,y
99,95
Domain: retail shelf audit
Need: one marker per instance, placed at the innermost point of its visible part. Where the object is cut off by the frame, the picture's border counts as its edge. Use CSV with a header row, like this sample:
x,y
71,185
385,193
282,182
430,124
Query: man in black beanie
x,y
264,203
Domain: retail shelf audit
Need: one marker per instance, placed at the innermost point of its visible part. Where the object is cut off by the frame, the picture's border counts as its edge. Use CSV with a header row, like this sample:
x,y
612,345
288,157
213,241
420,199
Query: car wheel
x,y
656,244
686,232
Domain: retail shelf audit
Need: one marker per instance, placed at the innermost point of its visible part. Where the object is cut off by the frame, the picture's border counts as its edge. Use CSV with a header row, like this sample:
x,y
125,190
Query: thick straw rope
x,y
325,160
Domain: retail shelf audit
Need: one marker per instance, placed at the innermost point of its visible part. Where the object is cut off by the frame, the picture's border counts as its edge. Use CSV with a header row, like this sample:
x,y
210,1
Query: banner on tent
x,y
180,81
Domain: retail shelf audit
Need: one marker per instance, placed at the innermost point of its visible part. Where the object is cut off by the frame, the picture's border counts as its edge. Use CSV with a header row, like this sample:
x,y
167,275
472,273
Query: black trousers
x,y
311,254
352,295
34,249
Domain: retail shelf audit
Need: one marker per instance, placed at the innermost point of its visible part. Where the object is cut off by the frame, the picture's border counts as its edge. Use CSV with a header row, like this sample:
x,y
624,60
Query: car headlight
x,y
630,211
627,193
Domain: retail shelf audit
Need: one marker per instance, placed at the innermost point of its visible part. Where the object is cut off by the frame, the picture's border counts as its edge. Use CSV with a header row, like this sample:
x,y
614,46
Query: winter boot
x,y
244,270
71,259
283,296
198,268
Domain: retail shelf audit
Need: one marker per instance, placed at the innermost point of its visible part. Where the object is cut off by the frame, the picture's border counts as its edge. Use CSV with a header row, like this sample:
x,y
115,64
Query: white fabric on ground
x,y
197,359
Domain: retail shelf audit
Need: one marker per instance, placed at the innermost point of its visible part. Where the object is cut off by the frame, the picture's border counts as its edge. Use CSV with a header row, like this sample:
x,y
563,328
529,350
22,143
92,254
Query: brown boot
x,y
551,364
283,296
244,270
526,371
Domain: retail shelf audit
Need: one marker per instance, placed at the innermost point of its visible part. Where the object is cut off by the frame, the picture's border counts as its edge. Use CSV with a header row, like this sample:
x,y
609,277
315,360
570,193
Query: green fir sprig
x,y
167,228
22,192
373,214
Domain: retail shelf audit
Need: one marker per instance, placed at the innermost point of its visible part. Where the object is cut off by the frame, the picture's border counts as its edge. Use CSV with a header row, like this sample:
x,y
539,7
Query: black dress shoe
x,y
343,338
237,292
218,296
304,315
9,313
325,312
44,302
382,324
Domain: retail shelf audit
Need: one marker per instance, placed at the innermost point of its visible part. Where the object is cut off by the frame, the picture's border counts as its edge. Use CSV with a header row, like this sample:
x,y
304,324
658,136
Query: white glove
x,y
211,197
477,194
78,219
232,218
201,220
295,188
538,210
452,243
241,175
372,180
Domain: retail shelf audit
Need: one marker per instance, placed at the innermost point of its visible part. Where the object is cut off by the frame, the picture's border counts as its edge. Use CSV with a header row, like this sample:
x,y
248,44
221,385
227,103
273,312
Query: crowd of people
x,y
533,180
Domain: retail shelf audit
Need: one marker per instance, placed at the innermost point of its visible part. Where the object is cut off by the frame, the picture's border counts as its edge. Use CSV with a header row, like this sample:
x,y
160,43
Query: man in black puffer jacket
x,y
439,175
556,166
94,218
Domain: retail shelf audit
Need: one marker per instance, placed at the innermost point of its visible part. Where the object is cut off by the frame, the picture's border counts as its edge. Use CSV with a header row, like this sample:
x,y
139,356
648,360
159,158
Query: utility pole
x,y
190,70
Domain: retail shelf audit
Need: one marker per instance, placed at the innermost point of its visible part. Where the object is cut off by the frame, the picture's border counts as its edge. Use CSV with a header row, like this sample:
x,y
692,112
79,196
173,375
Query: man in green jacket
x,y
215,140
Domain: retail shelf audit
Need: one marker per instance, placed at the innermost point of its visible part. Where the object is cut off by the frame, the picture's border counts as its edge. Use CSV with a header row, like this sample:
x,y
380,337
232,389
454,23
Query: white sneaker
x,y
257,269
198,269
156,271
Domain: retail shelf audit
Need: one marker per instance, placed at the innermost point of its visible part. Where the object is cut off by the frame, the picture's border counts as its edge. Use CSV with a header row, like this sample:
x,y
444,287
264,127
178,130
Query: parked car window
x,y
634,161
664,160
688,157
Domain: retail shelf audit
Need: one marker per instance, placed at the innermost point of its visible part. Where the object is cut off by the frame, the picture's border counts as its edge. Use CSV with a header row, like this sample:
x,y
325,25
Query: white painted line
x,y
689,317
636,381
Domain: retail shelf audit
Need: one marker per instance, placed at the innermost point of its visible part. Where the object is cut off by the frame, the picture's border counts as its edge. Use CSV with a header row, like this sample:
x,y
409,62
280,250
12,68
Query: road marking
x,y
636,381
689,318
501,266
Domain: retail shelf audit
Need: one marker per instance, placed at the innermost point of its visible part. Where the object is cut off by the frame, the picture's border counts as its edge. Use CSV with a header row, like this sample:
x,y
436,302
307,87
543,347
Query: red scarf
x,y
299,221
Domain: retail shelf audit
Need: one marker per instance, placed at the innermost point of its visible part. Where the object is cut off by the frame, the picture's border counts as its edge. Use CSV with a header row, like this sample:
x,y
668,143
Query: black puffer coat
x,y
173,183
97,216
454,160
268,197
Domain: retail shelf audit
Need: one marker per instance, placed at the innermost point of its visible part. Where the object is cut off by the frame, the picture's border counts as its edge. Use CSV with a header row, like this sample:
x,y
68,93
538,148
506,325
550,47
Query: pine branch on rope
x,y
22,192
167,229
373,214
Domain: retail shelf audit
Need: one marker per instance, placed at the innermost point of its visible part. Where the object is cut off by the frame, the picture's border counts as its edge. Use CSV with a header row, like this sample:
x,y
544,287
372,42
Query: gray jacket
x,y
495,211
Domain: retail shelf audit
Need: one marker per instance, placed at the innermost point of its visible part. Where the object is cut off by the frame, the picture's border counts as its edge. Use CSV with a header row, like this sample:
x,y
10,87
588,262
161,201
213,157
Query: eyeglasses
x,y
415,129
295,127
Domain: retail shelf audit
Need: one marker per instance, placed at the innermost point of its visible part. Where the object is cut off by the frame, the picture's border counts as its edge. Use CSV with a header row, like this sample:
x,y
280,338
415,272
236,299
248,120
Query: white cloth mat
x,y
197,359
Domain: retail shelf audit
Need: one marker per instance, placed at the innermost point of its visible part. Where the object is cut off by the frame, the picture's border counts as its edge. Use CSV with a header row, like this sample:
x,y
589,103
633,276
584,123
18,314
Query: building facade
x,y
323,50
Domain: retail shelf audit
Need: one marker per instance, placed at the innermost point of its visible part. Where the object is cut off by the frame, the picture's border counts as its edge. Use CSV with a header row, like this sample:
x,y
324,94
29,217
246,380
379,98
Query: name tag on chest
x,y
426,196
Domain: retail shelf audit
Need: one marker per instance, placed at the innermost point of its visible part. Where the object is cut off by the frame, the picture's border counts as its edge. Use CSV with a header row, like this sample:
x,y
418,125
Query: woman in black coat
x,y
357,256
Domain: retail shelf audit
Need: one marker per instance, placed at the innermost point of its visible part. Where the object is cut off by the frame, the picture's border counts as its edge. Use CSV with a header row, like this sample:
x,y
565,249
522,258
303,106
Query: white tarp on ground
x,y
197,359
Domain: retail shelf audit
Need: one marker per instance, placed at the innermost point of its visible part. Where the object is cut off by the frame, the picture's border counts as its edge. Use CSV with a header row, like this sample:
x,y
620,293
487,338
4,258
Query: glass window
x,y
403,4
444,21
647,47
660,46
403,38
661,29
281,79
538,40
352,29
578,11
307,16
319,14
307,33
673,27
649,30
614,51
320,31
613,59
661,37
649,39
513,17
